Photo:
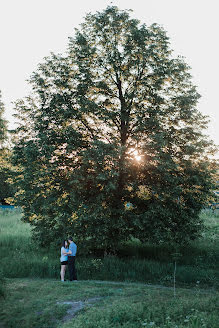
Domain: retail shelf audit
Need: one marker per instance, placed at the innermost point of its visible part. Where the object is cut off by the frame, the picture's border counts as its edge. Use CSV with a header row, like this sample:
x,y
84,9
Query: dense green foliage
x,y
49,304
3,124
2,285
6,170
113,121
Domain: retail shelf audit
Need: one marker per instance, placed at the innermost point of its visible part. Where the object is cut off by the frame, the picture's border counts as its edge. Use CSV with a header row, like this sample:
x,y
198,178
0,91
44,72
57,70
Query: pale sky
x,y
31,29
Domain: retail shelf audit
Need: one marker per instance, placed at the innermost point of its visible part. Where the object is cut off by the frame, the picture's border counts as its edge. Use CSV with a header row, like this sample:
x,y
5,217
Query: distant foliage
x,y
6,170
3,124
113,122
2,286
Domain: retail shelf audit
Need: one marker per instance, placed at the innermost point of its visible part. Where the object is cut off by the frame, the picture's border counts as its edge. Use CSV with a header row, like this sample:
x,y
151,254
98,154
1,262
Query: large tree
x,y
111,143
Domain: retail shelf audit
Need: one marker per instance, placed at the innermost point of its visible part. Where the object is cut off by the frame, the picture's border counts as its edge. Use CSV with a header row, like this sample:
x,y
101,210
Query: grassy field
x,y
43,303
20,258
32,295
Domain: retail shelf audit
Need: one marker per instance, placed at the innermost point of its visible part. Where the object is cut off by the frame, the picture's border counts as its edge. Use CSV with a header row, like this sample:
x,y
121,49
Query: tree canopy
x,y
111,143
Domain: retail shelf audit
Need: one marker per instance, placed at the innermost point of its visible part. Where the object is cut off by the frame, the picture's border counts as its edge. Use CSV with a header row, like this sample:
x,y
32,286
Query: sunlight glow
x,y
135,154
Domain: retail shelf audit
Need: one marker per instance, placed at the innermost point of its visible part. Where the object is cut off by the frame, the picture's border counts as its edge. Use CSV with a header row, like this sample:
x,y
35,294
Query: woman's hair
x,y
63,243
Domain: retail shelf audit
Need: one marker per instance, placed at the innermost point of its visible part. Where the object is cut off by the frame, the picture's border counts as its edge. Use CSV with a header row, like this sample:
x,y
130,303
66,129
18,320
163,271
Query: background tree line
x,y
7,171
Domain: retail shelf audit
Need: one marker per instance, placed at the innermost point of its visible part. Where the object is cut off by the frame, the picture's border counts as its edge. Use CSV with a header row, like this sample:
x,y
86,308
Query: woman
x,y
64,258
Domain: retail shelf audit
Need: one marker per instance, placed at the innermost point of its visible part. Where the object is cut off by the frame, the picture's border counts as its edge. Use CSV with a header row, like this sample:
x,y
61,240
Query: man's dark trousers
x,y
71,268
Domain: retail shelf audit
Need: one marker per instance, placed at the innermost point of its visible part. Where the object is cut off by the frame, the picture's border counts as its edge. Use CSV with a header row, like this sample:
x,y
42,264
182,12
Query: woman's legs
x,y
62,272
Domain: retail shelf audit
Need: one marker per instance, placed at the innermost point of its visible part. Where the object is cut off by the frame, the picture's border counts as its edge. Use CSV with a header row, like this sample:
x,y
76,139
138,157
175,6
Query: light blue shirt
x,y
64,257
73,249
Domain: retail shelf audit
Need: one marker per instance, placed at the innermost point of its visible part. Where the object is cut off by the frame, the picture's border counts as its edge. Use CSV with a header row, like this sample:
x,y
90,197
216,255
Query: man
x,y
71,260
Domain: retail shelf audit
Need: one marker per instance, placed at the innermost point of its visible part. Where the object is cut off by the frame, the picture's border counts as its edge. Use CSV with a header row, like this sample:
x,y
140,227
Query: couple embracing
x,y
68,253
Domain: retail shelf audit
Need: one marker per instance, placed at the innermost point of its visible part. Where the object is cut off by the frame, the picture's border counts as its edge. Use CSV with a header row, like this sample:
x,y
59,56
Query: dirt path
x,y
76,306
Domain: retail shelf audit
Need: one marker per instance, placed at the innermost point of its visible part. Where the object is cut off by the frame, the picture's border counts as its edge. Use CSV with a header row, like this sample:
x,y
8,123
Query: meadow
x,y
198,264
132,289
48,303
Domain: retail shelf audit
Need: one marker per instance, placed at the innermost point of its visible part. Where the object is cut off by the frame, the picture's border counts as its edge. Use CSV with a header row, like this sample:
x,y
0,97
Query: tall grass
x,y
203,252
21,257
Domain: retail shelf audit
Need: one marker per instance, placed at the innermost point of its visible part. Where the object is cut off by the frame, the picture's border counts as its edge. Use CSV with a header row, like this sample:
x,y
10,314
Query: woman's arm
x,y
64,251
